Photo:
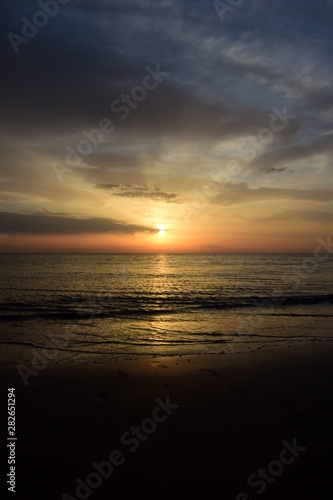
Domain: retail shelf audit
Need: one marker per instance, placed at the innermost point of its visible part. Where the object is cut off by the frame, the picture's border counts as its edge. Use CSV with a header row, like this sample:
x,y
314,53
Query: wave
x,y
83,308
91,347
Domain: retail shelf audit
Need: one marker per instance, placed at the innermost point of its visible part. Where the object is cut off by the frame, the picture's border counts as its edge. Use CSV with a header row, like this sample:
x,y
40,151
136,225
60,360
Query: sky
x,y
166,126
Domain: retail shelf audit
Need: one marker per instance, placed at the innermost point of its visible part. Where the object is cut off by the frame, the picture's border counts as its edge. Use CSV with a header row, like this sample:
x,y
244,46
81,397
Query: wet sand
x,y
190,427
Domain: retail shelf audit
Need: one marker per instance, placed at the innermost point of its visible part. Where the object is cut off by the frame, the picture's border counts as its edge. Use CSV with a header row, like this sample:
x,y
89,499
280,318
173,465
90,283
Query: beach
x,y
195,427
166,250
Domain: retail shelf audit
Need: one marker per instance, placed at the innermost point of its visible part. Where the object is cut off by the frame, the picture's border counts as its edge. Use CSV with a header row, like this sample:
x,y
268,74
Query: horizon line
x,y
155,253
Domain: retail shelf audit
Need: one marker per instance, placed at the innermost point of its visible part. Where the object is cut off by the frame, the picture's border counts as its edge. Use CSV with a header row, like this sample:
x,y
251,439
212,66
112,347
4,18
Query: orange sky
x,y
167,243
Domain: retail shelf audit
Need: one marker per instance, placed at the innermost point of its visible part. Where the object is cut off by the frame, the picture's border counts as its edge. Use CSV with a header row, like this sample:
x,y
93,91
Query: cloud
x,y
231,194
112,65
294,152
46,211
225,80
14,223
316,216
138,191
274,170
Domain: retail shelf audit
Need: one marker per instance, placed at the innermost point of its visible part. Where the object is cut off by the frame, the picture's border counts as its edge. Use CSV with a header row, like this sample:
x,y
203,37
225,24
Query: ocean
x,y
92,308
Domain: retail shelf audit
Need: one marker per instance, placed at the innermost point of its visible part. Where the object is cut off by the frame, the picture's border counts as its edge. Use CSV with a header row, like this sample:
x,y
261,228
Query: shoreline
x,y
146,357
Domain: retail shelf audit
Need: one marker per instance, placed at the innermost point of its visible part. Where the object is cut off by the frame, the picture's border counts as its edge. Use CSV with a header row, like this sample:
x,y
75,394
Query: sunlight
x,y
161,231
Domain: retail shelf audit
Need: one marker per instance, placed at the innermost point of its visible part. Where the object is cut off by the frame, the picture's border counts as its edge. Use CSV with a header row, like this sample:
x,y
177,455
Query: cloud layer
x,y
44,224
248,100
138,191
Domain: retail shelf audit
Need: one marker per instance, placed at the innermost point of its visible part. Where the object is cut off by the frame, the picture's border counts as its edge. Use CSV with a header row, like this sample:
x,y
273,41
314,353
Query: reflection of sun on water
x,y
161,290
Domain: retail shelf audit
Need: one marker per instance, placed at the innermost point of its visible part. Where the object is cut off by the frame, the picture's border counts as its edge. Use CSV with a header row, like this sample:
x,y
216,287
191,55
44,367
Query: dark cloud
x,y
295,152
231,194
274,170
316,216
138,191
13,223
60,213
71,80
323,99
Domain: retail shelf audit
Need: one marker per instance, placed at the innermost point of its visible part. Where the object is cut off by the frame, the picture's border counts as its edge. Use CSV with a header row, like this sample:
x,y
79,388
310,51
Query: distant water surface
x,y
94,308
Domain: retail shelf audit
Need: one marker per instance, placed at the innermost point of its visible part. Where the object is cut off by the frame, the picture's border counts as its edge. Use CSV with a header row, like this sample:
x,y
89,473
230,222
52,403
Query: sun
x,y
161,230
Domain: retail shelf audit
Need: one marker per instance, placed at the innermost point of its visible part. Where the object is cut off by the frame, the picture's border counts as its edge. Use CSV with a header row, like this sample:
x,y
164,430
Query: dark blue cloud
x,y
225,77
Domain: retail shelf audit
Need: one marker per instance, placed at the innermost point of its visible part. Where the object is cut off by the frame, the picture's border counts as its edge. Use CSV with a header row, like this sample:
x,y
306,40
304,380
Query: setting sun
x,y
161,231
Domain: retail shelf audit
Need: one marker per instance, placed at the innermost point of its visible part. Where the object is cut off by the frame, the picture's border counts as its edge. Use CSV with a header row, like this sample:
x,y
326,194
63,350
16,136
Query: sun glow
x,y
161,230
